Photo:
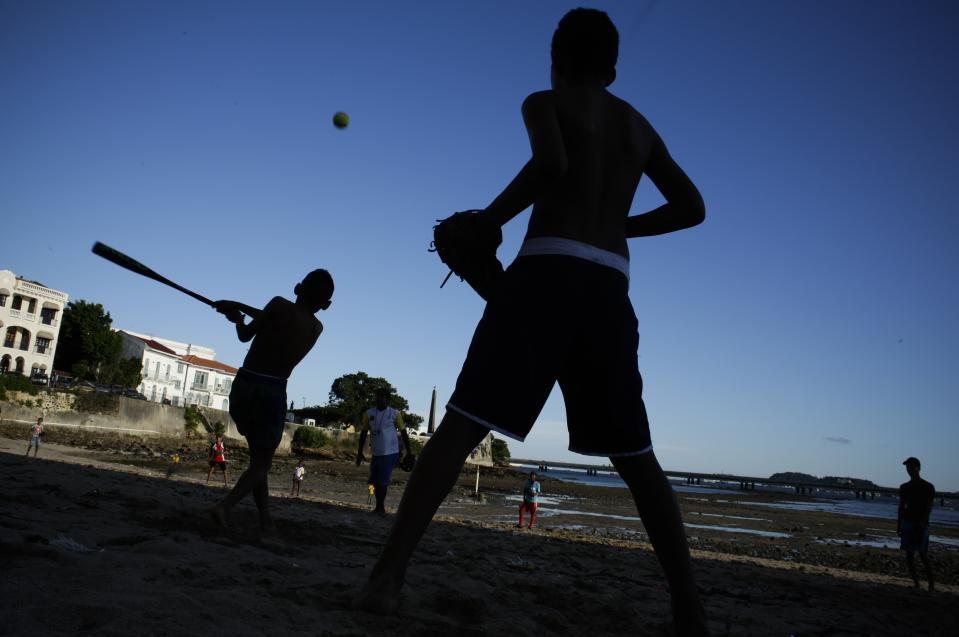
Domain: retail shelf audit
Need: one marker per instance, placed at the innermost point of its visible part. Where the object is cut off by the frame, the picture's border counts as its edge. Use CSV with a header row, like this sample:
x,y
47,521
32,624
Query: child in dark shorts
x,y
283,333
562,313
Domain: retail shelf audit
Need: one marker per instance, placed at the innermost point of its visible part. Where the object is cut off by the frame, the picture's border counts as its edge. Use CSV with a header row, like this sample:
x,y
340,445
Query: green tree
x,y
500,451
87,347
352,394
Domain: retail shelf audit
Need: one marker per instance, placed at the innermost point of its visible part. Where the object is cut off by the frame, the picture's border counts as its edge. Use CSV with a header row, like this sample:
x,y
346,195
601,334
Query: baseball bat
x,y
122,260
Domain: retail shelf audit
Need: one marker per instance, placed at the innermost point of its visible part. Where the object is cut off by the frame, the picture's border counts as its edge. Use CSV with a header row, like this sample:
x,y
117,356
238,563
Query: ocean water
x,y
840,502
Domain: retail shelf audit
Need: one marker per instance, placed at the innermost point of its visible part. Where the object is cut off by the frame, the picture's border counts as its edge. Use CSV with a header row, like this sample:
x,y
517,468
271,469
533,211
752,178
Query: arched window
x,y
226,404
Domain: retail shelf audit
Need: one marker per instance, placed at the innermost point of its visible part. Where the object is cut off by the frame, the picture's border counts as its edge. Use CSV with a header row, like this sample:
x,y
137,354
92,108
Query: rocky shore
x,y
101,506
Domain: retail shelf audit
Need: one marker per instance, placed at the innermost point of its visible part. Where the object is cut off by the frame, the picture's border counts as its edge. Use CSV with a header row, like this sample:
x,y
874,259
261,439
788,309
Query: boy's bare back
x,y
606,144
284,333
597,147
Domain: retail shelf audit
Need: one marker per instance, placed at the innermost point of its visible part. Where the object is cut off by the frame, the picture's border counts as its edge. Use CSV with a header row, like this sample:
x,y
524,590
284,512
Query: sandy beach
x,y
94,538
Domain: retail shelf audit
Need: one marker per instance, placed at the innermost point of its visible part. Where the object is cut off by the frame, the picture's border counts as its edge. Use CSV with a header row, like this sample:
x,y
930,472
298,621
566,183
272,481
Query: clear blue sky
x,y
809,324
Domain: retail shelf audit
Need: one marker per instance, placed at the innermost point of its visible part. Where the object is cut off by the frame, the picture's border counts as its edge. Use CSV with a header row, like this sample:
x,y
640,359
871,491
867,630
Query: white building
x,y
30,323
179,373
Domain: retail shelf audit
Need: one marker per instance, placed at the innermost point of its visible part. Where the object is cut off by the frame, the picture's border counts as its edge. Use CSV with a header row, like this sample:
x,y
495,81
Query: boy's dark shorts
x,y
566,319
914,536
218,464
258,407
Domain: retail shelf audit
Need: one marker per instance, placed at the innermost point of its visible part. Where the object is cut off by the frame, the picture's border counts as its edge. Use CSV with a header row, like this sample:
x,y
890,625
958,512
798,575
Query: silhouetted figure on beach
x,y
561,312
915,506
283,333
36,433
531,491
382,423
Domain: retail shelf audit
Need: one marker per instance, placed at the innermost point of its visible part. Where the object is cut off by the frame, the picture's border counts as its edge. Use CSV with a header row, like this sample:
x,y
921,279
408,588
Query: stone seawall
x,y
133,417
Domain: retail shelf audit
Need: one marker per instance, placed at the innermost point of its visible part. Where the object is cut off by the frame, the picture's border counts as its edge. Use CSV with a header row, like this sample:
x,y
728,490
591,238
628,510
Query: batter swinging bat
x,y
122,260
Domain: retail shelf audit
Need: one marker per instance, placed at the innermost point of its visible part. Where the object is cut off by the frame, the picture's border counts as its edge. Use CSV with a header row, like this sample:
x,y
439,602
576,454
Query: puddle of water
x,y
736,529
729,517
868,509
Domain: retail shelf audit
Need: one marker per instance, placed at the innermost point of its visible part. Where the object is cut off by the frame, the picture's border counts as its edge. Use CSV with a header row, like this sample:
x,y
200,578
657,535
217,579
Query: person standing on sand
x,y
916,498
218,459
283,333
298,473
530,495
561,312
382,422
36,432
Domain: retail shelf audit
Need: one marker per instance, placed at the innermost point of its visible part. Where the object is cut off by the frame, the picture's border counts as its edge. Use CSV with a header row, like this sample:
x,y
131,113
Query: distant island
x,y
826,481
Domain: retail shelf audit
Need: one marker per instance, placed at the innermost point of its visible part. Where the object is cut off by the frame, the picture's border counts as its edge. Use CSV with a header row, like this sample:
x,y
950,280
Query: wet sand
x,y
98,540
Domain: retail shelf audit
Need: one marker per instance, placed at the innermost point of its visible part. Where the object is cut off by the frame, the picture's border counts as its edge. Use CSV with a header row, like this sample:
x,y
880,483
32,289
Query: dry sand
x,y
99,542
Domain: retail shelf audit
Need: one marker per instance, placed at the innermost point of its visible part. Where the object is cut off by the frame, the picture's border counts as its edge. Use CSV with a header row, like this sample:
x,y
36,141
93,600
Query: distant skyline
x,y
809,324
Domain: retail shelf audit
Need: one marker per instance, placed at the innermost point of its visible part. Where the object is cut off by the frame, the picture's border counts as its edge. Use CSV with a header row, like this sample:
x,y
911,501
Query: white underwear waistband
x,y
572,248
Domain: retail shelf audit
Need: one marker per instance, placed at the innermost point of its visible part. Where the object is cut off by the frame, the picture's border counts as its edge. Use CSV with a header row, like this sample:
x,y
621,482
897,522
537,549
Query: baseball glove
x,y
467,244
408,462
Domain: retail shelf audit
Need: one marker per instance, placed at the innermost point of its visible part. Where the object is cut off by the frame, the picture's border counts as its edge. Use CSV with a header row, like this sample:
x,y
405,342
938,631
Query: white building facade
x,y
179,373
30,314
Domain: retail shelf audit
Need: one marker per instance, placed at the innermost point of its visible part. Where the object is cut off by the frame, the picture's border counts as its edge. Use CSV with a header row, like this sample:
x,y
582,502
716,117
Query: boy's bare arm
x,y
234,312
548,162
684,207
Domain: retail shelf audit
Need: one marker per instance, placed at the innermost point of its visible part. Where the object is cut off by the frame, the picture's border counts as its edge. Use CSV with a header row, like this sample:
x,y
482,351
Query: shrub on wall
x,y
16,382
310,437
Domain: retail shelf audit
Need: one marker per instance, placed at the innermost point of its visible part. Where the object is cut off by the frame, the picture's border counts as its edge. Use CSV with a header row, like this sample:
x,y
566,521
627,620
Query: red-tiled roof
x,y
152,344
206,362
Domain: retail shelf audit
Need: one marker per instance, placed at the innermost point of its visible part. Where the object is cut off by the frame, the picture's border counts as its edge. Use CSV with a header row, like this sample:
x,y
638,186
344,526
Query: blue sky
x,y
807,325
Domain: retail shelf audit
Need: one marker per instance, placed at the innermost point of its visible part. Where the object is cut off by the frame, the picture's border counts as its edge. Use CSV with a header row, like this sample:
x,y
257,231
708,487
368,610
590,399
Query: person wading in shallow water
x,y
915,506
531,490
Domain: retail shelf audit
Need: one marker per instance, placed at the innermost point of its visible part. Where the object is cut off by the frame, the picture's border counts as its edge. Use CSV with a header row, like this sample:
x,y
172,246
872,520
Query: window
x,y
168,371
48,316
43,344
3,300
179,368
31,306
176,401
199,380
17,302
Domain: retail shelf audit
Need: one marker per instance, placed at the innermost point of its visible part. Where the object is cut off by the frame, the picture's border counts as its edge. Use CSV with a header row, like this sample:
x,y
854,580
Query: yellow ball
x,y
341,119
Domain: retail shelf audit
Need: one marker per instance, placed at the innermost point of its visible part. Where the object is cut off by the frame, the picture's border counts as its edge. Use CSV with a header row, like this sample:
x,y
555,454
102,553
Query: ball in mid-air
x,y
341,120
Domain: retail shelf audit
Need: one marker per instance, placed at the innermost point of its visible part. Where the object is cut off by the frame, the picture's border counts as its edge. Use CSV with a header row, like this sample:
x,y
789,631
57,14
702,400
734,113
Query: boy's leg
x,y
522,508
261,459
435,474
928,565
911,565
209,473
532,514
659,511
379,492
226,479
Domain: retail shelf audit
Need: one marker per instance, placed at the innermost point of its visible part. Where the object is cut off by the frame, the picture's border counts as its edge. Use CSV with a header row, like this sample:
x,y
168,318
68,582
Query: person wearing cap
x,y
915,505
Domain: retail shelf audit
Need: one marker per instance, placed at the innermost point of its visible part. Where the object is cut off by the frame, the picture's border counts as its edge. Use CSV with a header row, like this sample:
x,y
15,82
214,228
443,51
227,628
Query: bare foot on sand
x,y
380,595
219,515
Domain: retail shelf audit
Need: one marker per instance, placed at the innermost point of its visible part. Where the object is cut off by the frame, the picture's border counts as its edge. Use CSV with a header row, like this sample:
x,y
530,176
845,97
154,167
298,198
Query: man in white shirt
x,y
382,423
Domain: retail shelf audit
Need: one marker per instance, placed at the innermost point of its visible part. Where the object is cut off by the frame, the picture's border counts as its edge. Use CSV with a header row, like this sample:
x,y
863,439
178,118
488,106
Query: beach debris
x,y
521,564
69,544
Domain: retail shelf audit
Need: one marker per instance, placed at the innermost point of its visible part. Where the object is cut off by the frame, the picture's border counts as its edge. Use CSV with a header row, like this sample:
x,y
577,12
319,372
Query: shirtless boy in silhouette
x,y
283,333
562,312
